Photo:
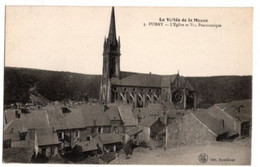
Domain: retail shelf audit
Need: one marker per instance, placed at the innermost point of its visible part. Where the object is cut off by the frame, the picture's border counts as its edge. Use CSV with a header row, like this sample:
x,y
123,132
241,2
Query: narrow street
x,y
219,153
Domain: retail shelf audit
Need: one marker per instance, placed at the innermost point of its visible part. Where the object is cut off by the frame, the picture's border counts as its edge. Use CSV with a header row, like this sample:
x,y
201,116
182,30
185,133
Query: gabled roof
x,y
72,119
113,113
34,119
148,121
213,125
141,112
134,131
87,145
37,119
168,106
138,79
110,138
127,115
167,80
241,109
155,109
150,80
94,115
9,115
46,136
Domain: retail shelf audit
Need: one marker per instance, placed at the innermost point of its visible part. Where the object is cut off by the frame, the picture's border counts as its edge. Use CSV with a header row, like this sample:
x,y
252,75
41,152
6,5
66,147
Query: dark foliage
x,y
51,85
221,89
65,85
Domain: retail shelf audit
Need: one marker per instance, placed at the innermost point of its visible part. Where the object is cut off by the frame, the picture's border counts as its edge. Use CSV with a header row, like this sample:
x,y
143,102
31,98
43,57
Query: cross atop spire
x,y
112,28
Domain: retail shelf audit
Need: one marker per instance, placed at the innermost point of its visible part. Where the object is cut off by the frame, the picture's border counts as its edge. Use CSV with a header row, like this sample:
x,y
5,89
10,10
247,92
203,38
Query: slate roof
x,y
167,80
155,109
138,79
94,115
127,115
9,115
46,136
141,112
35,119
148,121
149,80
241,109
134,131
168,106
182,83
211,123
110,138
73,119
113,113
87,145
22,155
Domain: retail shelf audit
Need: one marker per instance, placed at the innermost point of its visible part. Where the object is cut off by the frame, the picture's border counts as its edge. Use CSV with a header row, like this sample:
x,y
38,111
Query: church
x,y
139,89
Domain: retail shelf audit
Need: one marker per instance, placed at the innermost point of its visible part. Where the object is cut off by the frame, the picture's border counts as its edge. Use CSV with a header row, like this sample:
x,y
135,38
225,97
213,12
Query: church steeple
x,y
112,28
111,59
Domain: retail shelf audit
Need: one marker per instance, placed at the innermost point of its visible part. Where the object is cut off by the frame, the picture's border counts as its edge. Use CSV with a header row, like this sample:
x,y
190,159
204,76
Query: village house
x,y
236,116
110,142
89,148
193,128
16,130
115,119
68,122
45,141
146,131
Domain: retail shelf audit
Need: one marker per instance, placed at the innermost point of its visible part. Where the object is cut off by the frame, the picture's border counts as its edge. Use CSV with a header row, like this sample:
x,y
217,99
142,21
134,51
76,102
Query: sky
x,y
71,39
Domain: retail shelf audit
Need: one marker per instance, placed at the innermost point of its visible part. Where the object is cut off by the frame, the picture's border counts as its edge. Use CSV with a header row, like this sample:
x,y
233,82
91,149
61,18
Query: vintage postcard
x,y
128,85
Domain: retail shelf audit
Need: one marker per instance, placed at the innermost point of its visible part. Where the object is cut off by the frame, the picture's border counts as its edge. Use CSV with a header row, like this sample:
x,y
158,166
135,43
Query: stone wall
x,y
187,131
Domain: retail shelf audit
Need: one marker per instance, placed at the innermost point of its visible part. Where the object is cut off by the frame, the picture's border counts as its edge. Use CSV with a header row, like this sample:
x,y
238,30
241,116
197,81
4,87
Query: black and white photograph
x,y
127,85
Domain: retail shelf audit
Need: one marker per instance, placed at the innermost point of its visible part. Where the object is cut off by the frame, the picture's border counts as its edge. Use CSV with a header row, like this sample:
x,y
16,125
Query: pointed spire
x,y
112,28
119,42
105,42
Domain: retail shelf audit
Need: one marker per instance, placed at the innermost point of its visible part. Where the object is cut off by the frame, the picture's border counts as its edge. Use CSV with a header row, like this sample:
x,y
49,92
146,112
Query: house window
x,y
61,135
52,150
88,138
115,130
22,135
44,151
17,114
100,130
77,133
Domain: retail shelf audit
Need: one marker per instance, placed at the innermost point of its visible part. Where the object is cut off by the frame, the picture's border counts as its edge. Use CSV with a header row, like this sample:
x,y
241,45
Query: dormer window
x,y
65,110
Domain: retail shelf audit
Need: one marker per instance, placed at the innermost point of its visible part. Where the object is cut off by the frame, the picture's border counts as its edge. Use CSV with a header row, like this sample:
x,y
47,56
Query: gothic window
x,y
177,96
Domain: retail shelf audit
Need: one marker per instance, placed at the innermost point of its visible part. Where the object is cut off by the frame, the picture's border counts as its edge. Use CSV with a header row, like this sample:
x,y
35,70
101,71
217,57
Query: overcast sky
x,y
71,39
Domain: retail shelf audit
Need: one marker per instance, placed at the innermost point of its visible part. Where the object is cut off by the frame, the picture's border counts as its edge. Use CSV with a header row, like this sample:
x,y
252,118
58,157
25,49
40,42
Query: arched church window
x,y
177,96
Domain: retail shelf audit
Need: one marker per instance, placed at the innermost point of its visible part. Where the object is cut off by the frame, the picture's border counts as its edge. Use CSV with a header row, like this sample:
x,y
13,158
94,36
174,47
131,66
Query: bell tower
x,y
111,60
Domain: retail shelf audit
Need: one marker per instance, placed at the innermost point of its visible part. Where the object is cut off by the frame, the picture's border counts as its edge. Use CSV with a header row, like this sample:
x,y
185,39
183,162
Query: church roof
x,y
167,80
149,80
138,79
